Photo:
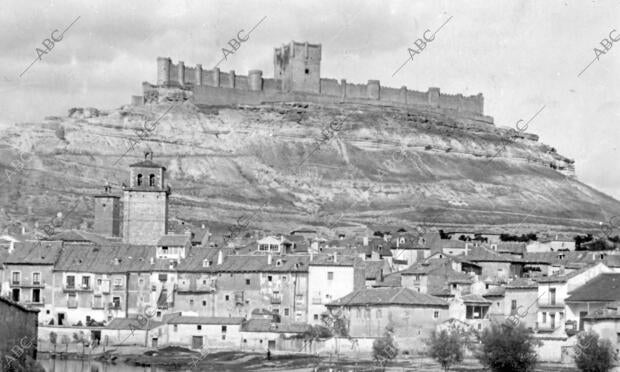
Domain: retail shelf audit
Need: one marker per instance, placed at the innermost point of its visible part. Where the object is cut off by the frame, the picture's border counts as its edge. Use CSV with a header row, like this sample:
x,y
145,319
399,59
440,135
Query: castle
x,y
297,77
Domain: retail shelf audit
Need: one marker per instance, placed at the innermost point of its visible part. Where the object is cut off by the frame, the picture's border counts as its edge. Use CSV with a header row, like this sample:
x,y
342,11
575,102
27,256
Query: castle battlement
x,y
297,76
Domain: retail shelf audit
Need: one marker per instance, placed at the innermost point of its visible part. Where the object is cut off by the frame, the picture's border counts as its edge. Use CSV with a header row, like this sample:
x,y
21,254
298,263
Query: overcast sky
x,y
520,54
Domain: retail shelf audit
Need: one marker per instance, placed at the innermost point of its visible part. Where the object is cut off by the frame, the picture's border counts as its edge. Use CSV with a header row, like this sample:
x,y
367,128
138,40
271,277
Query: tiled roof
x,y
173,240
372,269
511,247
565,257
10,302
561,277
390,280
481,254
109,259
428,240
604,288
521,283
204,320
34,253
266,325
388,296
242,263
495,292
474,299
147,164
132,323
328,260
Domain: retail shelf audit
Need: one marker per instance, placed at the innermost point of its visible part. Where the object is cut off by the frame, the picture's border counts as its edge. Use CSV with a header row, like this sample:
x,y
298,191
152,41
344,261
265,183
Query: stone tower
x,y
145,203
107,213
298,66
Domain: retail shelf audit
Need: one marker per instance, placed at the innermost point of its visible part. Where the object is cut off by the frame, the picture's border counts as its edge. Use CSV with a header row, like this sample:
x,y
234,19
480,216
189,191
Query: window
x,y
118,282
223,337
36,295
316,316
283,278
36,278
176,327
307,71
204,303
141,282
276,311
191,302
513,306
139,180
99,281
70,281
269,278
152,180
330,275
286,311
16,277
436,315
544,317
116,302
224,329
199,327
86,282
379,314
227,297
247,282
204,282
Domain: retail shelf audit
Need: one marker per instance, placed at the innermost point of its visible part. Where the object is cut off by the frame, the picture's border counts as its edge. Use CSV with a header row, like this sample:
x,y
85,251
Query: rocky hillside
x,y
290,165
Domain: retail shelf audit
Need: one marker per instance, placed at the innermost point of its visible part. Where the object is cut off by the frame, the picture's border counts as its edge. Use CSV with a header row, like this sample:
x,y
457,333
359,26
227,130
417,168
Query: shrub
x,y
506,349
446,348
594,354
384,349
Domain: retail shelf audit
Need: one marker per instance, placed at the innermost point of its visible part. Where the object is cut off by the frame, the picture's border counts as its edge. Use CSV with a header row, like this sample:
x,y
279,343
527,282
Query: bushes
x,y
446,348
506,349
594,354
384,349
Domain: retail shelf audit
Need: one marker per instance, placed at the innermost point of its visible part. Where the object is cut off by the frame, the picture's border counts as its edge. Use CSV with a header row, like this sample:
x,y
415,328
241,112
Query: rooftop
x,y
388,296
603,288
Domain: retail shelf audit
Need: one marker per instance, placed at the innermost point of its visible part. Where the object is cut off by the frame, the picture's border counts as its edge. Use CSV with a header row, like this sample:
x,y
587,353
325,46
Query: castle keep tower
x,y
107,213
145,203
298,66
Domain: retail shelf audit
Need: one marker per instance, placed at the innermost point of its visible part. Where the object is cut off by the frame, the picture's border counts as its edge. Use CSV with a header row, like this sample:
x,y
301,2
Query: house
x,y
552,293
471,308
275,245
198,332
174,246
19,329
487,236
214,284
329,278
29,275
605,322
495,265
131,331
263,335
412,315
596,294
413,247
520,301
552,243
436,277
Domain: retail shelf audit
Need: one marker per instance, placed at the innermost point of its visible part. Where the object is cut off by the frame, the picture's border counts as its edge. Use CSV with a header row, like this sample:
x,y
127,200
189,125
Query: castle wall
x,y
291,63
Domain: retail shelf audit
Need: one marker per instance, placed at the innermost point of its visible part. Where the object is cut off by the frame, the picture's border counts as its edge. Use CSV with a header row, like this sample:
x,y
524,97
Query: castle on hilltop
x,y
297,77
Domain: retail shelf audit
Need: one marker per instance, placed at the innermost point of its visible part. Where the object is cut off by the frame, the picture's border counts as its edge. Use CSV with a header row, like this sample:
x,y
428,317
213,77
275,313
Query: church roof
x,y
147,164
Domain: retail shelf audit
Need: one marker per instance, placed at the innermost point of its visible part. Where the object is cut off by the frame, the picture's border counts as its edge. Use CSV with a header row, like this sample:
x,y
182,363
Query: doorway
x,y
15,295
61,319
197,342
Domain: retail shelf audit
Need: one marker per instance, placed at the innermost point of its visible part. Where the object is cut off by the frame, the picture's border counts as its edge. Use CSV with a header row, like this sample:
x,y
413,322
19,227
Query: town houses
x,y
138,279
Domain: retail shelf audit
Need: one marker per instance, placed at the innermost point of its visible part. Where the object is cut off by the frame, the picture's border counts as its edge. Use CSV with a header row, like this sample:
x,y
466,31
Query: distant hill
x,y
381,167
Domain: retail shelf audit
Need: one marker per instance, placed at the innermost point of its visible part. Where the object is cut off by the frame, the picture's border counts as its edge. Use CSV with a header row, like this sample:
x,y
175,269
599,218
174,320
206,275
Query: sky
x,y
522,55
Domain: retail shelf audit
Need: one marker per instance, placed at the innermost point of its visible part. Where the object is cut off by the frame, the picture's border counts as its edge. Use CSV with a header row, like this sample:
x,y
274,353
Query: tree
x,y
506,348
594,354
66,341
53,340
446,348
385,349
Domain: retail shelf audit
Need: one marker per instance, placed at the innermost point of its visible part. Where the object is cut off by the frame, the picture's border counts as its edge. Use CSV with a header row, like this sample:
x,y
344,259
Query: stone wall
x,y
233,89
18,327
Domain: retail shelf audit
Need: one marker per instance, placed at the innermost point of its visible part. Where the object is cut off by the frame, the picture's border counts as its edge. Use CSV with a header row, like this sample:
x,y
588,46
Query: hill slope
x,y
300,165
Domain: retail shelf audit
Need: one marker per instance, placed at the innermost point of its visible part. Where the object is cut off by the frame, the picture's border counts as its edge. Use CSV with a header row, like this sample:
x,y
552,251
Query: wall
x,y
412,324
107,215
144,216
26,287
259,294
322,290
18,328
527,305
290,76
212,335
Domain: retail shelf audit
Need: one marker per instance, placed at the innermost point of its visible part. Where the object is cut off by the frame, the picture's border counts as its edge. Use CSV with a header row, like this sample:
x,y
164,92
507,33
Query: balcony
x,y
114,306
546,303
276,300
78,288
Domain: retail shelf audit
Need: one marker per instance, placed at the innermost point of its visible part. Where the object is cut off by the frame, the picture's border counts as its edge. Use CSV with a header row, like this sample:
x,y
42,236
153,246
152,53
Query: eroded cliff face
x,y
300,165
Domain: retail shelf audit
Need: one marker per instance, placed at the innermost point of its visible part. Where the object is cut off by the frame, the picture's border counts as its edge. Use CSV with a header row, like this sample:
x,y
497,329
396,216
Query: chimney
x,y
220,257
269,259
335,257
365,241
152,260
